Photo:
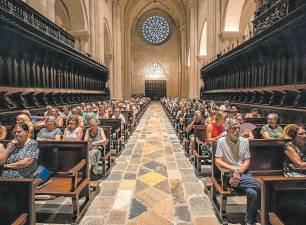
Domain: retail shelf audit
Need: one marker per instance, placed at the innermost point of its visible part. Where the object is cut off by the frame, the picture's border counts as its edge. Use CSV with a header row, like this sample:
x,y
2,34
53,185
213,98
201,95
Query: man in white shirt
x,y
233,153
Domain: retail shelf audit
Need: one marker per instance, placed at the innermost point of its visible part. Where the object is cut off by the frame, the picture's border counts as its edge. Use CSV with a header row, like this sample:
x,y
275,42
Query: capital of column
x,y
225,36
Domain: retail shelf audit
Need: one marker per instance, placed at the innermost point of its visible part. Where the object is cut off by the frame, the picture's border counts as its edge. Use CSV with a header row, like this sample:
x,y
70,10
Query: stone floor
x,y
152,183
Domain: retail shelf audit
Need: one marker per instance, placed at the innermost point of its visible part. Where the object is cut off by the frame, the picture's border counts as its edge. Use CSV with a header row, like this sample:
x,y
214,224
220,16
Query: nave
x,y
152,182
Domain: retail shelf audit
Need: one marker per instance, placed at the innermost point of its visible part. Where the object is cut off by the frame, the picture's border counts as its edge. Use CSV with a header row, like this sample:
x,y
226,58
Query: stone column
x,y
99,30
92,28
116,79
193,30
183,62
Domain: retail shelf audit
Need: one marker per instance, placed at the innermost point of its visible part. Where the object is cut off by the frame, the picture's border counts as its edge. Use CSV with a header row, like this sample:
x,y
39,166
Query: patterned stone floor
x,y
152,183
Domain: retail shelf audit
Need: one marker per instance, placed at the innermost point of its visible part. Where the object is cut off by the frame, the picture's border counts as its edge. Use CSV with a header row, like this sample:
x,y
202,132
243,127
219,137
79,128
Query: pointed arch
x,y
233,15
155,71
203,40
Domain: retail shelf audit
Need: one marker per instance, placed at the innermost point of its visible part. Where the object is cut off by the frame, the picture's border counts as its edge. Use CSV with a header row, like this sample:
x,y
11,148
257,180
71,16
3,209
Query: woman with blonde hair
x,y
102,113
77,112
23,118
58,119
73,132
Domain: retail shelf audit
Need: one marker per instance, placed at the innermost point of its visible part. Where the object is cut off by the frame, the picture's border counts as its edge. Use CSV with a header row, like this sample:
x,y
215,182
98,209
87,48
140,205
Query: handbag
x,y
42,173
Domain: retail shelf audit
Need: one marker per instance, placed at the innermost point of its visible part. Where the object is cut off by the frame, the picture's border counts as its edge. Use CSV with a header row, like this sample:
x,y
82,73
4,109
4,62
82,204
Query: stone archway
x,y
133,10
232,15
72,16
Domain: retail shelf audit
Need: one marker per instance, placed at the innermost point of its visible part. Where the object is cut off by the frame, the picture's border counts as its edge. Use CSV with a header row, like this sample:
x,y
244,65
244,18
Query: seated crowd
x,y
19,158
225,125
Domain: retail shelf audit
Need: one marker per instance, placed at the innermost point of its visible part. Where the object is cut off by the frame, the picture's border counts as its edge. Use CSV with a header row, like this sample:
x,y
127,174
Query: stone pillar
x,y
193,37
92,28
99,30
116,79
183,79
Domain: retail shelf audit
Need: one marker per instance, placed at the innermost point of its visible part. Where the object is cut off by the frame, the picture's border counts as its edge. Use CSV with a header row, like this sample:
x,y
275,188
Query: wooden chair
x,y
267,159
70,177
17,205
116,140
199,158
107,161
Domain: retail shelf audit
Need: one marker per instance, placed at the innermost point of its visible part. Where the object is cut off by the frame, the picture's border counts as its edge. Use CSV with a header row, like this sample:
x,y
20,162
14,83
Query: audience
x,y
49,111
96,138
19,159
77,112
215,130
295,153
66,112
226,107
57,116
233,153
119,115
272,130
23,118
50,132
73,132
102,113
3,132
253,114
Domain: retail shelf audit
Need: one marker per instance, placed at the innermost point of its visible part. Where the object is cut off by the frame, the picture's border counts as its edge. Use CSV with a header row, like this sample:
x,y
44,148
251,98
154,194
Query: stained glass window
x,y
155,71
155,29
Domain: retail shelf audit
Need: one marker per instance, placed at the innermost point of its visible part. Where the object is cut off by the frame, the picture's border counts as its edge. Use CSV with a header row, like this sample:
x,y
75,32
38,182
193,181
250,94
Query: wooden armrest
x,y
73,171
78,167
21,220
218,187
274,220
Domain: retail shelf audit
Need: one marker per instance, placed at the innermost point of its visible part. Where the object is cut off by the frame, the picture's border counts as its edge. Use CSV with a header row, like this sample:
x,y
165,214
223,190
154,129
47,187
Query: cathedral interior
x,y
152,112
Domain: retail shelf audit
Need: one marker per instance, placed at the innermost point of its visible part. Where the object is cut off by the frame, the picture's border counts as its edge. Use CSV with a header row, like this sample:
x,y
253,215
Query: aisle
x,y
152,183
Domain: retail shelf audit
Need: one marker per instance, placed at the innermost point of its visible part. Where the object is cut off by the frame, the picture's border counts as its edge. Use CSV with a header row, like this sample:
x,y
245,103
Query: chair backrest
x,y
266,156
199,132
61,156
260,120
17,197
113,123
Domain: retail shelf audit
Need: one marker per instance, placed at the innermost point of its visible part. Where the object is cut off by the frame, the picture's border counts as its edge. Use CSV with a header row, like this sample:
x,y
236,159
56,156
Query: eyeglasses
x,y
303,133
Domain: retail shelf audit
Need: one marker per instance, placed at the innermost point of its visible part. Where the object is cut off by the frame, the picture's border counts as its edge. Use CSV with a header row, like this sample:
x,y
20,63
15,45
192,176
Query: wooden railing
x,y
273,57
20,13
37,58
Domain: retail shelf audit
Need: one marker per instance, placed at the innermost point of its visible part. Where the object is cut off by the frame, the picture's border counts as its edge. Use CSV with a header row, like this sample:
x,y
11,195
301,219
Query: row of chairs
x,y
70,178
282,199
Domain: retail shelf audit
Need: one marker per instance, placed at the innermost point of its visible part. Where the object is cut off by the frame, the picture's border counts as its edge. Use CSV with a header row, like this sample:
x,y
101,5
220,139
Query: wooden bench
x,y
17,204
267,160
